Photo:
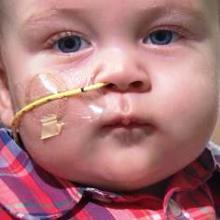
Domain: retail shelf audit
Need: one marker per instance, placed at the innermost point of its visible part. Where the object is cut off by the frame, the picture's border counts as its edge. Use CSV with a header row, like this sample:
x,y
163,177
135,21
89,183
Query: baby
x,y
111,106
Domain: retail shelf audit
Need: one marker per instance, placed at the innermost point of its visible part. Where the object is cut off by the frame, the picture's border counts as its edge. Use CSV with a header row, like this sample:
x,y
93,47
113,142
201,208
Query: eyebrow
x,y
175,10
44,16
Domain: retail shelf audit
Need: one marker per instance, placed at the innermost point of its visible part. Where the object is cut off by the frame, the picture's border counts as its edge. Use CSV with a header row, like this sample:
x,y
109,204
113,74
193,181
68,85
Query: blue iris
x,y
161,37
69,44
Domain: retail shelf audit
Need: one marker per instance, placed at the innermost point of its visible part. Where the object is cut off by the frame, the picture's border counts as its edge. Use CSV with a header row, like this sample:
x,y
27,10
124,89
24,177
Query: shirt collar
x,y
27,190
196,173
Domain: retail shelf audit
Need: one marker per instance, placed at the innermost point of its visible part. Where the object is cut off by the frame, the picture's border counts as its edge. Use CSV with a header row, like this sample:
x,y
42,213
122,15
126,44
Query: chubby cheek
x,y
67,146
188,109
52,117
67,123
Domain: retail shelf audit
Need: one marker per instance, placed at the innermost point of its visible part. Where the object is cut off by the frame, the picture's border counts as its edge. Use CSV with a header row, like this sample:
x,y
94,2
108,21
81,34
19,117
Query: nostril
x,y
137,84
111,86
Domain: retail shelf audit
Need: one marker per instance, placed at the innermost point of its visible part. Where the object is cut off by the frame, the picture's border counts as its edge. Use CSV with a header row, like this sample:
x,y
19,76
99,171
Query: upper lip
x,y
126,121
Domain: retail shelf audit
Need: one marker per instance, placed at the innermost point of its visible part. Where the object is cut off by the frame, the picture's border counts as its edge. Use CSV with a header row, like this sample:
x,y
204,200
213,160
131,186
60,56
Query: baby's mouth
x,y
127,129
125,121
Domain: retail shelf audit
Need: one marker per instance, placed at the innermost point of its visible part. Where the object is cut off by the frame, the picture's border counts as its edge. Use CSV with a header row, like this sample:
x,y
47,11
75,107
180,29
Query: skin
x,y
169,91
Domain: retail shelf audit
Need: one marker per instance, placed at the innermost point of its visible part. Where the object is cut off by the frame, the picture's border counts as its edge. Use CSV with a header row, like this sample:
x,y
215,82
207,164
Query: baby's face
x,y
160,60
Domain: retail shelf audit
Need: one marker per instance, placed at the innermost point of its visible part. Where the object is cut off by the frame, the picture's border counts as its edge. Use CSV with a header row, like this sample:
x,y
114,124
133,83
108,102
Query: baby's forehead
x,y
80,4
40,6
24,10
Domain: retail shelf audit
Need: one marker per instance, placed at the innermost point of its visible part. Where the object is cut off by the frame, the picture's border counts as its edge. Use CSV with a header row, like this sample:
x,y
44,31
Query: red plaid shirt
x,y
28,192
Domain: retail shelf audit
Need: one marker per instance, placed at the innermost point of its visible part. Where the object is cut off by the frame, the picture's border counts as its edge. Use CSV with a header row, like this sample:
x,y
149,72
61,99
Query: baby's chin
x,y
119,178
127,184
129,187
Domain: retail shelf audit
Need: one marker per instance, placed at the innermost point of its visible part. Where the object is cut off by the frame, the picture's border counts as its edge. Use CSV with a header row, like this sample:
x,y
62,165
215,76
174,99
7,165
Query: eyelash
x,y
179,33
53,41
161,38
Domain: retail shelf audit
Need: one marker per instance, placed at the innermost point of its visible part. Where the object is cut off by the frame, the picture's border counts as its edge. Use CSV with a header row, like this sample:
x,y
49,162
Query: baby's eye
x,y
70,44
161,37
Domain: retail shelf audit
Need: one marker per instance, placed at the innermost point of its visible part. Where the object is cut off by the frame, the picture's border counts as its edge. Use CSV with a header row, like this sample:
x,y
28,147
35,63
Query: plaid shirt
x,y
28,192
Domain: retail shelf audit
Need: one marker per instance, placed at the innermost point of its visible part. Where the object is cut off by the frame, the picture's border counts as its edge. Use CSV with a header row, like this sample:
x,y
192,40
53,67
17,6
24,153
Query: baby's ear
x,y
6,110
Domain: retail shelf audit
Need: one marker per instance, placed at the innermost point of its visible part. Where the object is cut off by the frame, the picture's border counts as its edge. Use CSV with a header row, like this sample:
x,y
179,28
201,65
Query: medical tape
x,y
43,100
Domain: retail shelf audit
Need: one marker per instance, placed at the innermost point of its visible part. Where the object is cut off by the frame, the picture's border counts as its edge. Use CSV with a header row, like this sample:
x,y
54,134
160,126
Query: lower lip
x,y
130,132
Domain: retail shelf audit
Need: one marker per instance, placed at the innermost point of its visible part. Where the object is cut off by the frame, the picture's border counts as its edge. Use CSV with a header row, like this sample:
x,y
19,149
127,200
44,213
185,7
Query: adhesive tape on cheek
x,y
43,85
47,99
50,127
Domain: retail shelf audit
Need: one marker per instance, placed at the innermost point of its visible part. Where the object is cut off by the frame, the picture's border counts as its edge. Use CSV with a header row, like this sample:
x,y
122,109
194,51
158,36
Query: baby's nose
x,y
123,72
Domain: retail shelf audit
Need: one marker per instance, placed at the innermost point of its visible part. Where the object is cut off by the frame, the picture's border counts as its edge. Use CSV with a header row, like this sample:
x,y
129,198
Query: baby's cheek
x,y
194,112
61,115
44,120
43,85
